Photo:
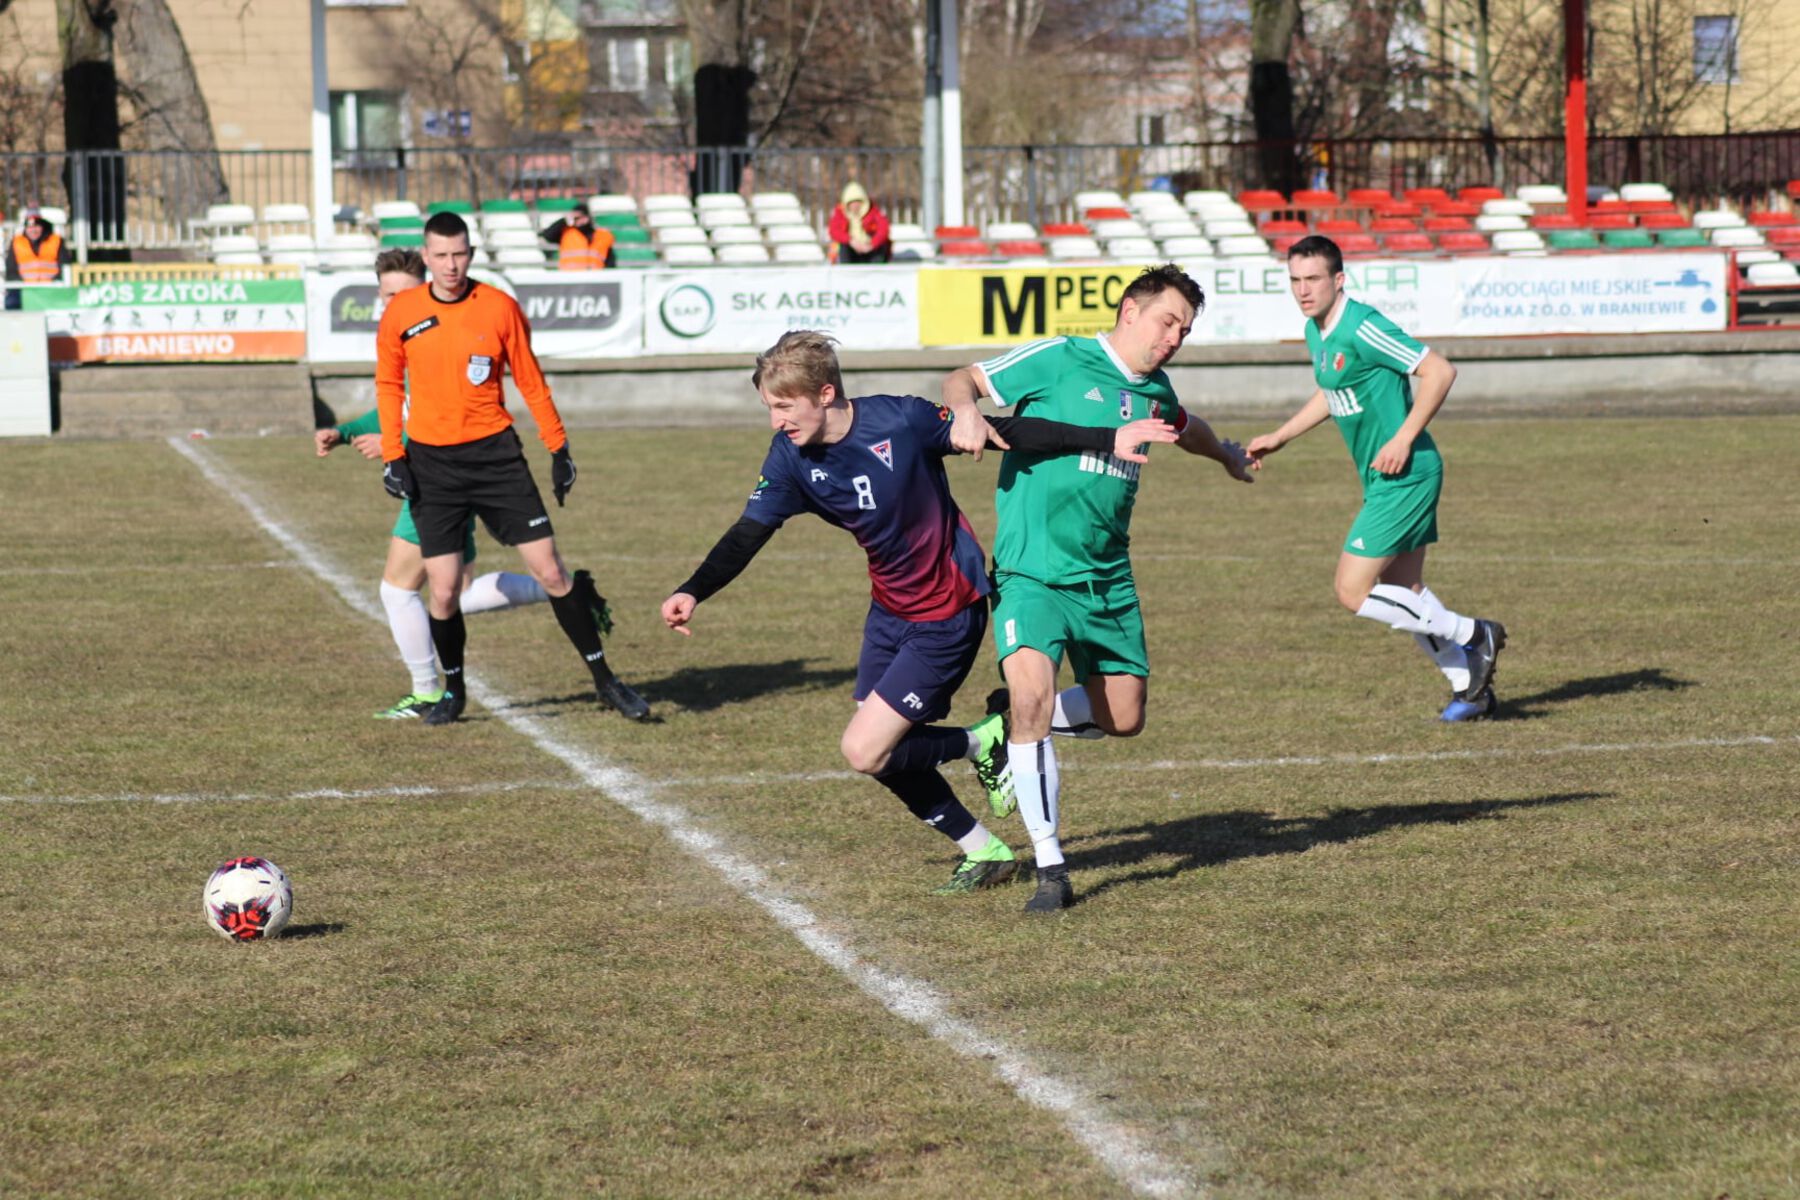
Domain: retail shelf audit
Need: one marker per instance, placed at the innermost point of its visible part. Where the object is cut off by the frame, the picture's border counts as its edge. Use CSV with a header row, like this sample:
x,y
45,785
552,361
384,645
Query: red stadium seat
x,y
1358,243
1783,235
1409,243
1771,219
1661,220
1611,220
1020,249
1479,195
1609,206
1280,244
1065,229
1393,225
1467,242
1793,189
1368,197
1554,221
1108,214
959,233
1423,196
1455,208
1650,206
1332,226
1442,224
1262,201
966,250
1399,208
1281,225
1312,199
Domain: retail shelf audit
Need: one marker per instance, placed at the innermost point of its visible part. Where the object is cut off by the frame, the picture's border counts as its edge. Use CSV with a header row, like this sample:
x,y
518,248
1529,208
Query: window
x,y
628,64
364,122
1715,50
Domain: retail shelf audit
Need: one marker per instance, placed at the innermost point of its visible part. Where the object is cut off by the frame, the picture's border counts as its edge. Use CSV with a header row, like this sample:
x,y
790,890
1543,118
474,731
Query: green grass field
x,y
1326,947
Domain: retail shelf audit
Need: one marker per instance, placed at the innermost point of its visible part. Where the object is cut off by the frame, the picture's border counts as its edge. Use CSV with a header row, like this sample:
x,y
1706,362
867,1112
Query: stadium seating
x,y
1187,248
1240,246
1133,249
1463,242
1480,194
914,250
611,202
664,202
1259,201
1574,239
965,249
295,249
1519,241
1772,274
1540,194
742,253
735,235
1498,222
794,235
1358,244
1021,248
1098,199
1680,239
1074,247
799,252
681,235
1628,239
1408,243
663,218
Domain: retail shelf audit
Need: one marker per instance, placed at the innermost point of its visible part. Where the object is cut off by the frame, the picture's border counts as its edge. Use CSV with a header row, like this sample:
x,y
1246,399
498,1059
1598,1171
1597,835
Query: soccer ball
x,y
247,899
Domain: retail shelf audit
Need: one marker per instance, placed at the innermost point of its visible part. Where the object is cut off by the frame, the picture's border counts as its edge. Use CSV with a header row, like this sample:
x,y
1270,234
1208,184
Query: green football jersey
x,y
1364,364
1066,518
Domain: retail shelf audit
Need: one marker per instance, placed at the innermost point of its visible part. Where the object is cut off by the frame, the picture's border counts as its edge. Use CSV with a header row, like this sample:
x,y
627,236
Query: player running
x,y
404,574
450,449
873,466
1060,551
1363,364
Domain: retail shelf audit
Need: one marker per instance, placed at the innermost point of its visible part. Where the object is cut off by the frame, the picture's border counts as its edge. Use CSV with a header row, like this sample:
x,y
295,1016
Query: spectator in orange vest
x,y
37,255
859,229
581,245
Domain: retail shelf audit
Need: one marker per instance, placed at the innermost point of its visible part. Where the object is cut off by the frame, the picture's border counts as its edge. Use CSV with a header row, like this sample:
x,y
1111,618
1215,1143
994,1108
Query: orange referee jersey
x,y
453,355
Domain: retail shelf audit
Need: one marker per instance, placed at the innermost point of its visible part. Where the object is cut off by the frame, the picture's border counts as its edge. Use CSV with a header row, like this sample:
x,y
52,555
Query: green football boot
x,y
988,738
411,707
992,865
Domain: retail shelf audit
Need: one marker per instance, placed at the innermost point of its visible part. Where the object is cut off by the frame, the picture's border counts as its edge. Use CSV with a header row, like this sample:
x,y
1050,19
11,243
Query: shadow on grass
x,y
702,689
316,929
1648,679
1212,839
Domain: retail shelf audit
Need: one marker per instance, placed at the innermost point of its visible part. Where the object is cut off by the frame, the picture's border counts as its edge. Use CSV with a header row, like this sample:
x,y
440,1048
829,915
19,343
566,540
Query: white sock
x,y
1444,623
501,589
1449,657
974,841
1074,715
411,627
1038,785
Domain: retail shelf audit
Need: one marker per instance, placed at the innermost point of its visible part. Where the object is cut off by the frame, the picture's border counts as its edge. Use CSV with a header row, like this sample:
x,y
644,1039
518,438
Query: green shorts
x,y
1396,516
406,532
1098,625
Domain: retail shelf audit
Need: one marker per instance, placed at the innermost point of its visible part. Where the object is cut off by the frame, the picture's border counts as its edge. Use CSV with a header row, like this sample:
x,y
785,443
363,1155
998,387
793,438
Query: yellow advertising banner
x,y
1008,305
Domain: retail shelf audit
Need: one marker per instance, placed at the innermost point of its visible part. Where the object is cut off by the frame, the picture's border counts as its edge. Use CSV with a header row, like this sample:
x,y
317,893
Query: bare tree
x,y
165,109
1273,24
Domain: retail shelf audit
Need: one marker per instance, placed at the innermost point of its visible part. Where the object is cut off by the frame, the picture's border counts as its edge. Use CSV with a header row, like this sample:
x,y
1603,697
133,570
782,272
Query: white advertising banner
x,y
573,314
733,311
1581,293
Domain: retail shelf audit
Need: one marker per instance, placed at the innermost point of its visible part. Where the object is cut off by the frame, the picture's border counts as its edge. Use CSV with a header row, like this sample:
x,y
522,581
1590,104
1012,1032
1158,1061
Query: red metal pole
x,y
1575,107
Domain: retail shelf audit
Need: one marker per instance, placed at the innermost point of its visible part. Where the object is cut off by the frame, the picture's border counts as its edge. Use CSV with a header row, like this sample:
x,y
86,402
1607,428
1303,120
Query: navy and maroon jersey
x,y
885,483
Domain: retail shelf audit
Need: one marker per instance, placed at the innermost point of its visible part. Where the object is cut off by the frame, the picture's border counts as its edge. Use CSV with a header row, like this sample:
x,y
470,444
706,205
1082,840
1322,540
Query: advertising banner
x,y
156,320
1588,293
719,310
573,314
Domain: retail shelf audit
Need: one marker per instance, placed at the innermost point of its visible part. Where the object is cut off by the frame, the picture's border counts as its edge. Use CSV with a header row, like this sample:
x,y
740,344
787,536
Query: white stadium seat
x,y
1717,218
1756,257
296,248
1737,235
715,201
1774,274
664,202
797,252
1500,222
736,235
286,214
914,249
687,256
223,216
507,239
1074,247
1137,249
1519,241
492,223
1087,200
906,231
681,235
1011,231
1242,246
518,256
1181,248
1542,193
1182,226
611,202
1644,191
1505,208
234,243
1106,231
383,210
664,218
1230,227
743,254
792,235
713,218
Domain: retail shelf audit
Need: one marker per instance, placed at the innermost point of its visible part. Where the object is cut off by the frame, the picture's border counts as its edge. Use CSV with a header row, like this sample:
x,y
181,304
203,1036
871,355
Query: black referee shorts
x,y
488,478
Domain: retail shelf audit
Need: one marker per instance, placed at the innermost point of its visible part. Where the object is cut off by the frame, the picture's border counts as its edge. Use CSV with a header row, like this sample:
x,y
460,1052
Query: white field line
x,y
109,568
1121,1150
1293,760
381,793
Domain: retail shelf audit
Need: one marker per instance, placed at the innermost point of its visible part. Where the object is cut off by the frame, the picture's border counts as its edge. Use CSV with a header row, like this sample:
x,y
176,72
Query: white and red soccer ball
x,y
248,899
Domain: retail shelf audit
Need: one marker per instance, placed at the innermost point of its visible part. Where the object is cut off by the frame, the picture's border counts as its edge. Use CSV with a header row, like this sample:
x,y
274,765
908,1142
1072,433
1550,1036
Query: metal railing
x,y
122,201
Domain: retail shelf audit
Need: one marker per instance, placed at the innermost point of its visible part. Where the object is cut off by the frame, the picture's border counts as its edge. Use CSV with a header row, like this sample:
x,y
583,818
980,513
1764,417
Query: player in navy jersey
x,y
873,465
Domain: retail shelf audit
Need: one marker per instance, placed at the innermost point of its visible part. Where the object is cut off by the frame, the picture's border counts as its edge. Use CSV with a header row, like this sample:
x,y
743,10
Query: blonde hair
x,y
802,362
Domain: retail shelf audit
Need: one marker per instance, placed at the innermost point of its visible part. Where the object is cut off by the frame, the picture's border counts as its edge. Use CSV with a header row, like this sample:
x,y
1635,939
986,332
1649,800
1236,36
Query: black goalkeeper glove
x,y
562,473
397,478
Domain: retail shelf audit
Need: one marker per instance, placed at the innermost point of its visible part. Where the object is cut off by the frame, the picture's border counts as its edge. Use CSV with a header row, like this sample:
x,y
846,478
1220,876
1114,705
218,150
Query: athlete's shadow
x,y
1212,839
702,689
314,930
1538,704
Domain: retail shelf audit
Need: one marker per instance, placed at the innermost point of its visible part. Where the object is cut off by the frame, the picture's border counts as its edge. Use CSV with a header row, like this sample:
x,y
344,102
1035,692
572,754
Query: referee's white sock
x,y
411,626
1449,657
1415,612
501,589
1038,786
1074,715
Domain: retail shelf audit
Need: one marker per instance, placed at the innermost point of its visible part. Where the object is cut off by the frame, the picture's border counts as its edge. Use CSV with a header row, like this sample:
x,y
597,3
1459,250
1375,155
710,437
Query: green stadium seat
x,y
1628,239
634,256
618,220
500,206
631,236
460,207
1573,239
1681,239
404,239
401,224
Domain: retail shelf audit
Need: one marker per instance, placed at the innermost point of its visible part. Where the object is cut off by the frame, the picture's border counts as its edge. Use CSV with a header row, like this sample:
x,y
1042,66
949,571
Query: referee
x,y
452,339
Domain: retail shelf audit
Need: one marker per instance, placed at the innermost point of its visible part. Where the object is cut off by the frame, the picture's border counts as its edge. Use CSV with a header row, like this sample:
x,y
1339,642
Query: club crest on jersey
x,y
1337,364
480,367
1156,410
1125,399
884,450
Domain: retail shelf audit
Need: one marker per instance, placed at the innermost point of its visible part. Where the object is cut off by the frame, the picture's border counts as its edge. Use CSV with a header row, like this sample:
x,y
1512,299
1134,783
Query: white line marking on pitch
x,y
1296,760
142,568
380,793
1119,1150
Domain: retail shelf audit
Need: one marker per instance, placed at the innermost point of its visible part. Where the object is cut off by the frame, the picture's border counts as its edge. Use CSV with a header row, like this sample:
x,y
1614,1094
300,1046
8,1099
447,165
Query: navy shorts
x,y
916,666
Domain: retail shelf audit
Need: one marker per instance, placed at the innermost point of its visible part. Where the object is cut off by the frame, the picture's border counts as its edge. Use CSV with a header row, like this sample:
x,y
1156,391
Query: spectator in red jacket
x,y
859,229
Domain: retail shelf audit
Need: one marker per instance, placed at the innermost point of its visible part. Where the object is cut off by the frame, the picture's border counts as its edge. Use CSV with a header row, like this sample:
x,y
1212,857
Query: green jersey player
x,y
1364,364
1061,566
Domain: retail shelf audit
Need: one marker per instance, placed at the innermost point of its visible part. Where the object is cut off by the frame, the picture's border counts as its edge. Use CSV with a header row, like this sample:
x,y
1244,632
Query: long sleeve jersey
x,y
454,355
